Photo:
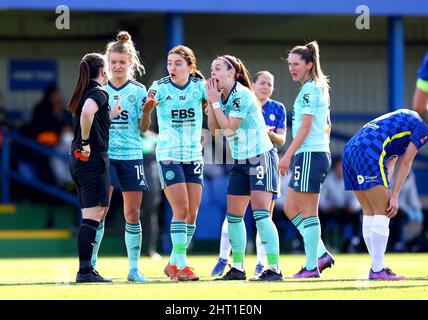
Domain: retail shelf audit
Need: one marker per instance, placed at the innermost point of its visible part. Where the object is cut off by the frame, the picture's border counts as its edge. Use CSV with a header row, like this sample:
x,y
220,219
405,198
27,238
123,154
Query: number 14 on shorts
x,y
140,171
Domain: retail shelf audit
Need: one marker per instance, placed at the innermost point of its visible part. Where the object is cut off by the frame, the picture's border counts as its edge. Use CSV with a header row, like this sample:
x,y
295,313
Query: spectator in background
x,y
60,166
2,110
420,96
3,125
406,233
339,207
49,117
46,126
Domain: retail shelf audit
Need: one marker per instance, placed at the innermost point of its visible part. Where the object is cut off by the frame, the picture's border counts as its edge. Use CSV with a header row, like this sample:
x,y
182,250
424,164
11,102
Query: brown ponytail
x,y
89,68
241,73
310,53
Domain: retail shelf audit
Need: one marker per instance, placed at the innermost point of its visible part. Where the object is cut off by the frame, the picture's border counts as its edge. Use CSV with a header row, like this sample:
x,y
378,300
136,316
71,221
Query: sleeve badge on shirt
x,y
423,139
151,94
306,98
237,103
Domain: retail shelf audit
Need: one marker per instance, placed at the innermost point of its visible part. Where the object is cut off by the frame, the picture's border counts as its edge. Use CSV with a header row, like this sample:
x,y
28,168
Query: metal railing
x,y
7,173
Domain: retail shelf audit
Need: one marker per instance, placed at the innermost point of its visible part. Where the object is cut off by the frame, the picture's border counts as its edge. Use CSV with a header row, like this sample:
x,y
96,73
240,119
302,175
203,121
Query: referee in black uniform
x,y
89,163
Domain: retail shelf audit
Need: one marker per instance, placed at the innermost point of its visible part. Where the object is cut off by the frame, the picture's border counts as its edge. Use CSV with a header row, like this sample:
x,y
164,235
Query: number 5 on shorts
x,y
296,173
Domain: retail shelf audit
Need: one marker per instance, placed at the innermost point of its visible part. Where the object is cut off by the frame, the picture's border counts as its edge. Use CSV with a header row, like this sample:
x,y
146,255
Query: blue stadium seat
x,y
209,222
207,192
219,185
421,175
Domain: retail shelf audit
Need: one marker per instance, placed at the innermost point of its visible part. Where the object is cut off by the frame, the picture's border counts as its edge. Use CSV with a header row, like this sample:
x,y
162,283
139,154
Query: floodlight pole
x,y
175,30
395,63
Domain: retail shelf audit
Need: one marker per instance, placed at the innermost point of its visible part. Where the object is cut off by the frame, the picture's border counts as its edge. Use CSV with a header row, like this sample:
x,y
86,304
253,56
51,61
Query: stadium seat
x,y
207,192
210,219
219,185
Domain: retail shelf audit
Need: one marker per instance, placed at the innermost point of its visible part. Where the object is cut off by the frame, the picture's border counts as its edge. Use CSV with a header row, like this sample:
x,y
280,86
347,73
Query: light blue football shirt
x,y
312,101
250,138
179,118
125,138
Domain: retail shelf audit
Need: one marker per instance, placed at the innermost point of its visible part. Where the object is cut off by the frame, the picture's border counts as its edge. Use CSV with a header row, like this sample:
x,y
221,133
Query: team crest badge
x,y
132,99
170,175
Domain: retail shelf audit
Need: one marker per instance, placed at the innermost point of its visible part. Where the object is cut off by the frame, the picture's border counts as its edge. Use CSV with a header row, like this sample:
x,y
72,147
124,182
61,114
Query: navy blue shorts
x,y
92,178
172,172
309,171
362,172
258,173
128,175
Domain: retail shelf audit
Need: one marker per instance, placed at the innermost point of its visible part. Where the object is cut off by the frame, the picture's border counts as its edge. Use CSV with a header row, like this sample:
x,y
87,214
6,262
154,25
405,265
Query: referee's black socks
x,y
85,244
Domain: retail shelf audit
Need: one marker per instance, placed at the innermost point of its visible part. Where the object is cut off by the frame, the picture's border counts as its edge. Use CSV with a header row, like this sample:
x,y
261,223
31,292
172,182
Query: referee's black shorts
x,y
92,178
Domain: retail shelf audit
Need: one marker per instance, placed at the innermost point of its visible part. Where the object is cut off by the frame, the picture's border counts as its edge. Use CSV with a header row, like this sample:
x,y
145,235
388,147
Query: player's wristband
x,y
85,142
216,105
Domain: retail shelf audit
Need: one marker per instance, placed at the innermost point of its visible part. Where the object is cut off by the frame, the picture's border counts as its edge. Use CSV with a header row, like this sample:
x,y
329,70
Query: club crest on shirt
x,y
132,99
196,95
272,117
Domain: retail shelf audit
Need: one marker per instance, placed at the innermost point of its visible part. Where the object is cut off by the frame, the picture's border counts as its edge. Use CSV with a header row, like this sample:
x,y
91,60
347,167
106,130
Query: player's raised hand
x,y
213,94
116,110
150,104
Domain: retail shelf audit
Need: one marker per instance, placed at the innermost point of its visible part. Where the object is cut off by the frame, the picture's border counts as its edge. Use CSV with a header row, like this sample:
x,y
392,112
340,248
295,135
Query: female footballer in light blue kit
x,y
179,99
275,118
125,148
234,109
310,147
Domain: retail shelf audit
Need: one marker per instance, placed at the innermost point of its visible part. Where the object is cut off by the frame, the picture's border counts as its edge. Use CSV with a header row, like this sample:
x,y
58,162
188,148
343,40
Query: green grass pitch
x,y
53,278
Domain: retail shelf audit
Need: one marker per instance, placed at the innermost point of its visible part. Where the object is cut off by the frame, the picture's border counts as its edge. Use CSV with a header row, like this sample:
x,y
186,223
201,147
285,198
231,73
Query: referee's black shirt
x,y
99,134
